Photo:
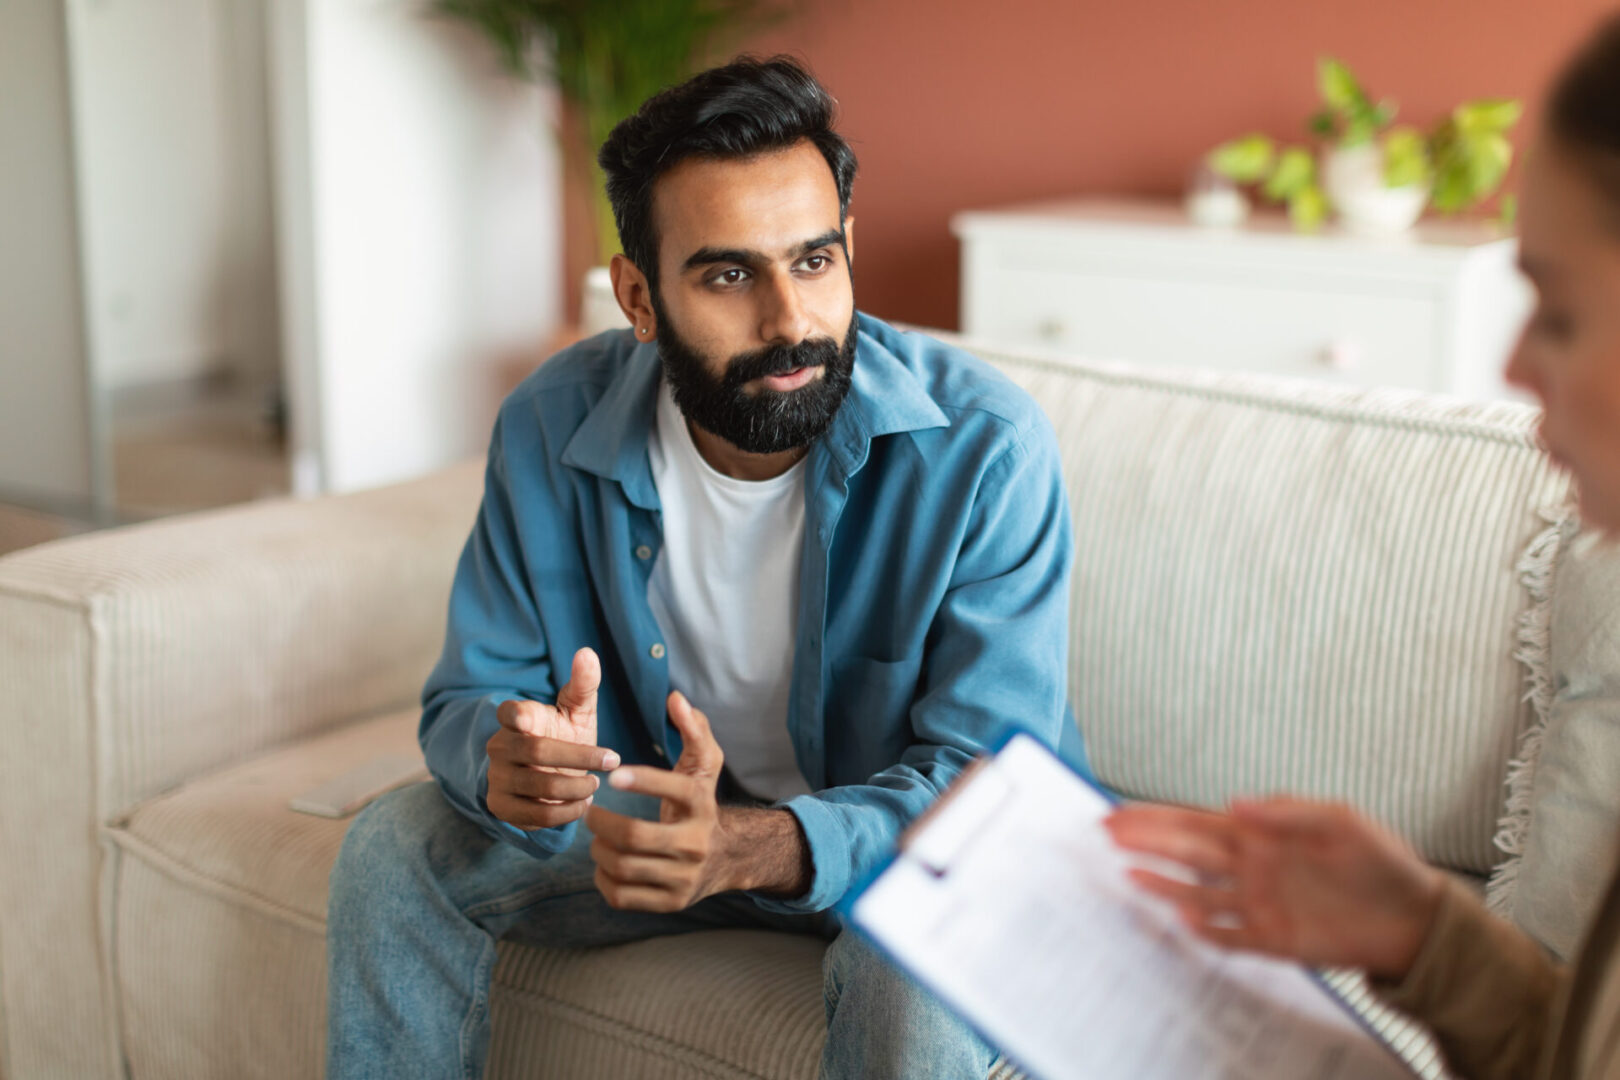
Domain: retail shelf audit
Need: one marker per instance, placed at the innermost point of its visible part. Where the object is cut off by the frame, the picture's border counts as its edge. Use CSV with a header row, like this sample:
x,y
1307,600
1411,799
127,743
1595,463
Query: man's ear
x,y
634,295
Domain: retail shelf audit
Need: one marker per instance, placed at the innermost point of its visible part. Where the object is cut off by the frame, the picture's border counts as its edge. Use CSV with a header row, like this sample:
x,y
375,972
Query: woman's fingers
x,y
1300,818
1209,899
1228,936
1214,914
1205,842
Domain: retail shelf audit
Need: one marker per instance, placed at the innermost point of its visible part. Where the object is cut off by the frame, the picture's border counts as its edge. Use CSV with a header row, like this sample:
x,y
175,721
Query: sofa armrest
x,y
196,641
135,659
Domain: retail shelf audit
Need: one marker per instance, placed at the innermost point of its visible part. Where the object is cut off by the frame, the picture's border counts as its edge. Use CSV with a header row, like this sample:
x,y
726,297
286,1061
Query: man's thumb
x,y
583,680
700,754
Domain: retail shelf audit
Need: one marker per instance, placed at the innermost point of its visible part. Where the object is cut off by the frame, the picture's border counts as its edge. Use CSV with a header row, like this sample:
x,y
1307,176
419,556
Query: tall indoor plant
x,y
608,56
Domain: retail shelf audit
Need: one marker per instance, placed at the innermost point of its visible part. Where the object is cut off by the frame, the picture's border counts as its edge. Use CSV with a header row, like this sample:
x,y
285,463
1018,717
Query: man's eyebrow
x,y
826,239
708,256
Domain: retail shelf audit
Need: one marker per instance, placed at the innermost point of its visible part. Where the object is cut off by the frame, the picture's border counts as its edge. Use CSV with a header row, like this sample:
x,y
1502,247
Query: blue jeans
x,y
420,895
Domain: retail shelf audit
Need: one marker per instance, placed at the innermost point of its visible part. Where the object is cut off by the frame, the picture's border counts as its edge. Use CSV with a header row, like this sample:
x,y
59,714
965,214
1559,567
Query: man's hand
x,y
539,757
696,848
1314,882
676,861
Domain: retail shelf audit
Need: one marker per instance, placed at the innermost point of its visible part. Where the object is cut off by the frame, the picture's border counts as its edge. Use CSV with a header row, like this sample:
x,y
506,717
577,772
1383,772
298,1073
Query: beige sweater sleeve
x,y
1487,990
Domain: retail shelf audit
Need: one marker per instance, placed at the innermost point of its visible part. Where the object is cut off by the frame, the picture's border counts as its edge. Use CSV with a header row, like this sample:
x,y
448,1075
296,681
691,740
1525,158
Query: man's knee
x,y
881,1023
851,961
855,970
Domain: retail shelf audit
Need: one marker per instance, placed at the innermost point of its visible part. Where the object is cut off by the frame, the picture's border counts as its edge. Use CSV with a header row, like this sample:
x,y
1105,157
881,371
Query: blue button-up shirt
x,y
933,590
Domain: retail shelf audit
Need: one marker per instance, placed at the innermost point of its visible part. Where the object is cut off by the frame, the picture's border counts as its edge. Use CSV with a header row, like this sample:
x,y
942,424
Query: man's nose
x,y
783,319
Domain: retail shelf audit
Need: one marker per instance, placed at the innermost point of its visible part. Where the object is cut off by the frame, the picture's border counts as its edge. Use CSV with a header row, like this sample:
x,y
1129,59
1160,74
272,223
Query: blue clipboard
x,y
846,908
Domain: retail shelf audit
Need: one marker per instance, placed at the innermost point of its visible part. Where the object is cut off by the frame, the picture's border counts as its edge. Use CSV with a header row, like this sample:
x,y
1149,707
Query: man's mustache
x,y
779,360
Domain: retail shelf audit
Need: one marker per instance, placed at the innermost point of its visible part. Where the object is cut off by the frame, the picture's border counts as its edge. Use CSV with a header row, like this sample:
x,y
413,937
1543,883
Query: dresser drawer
x,y
1277,326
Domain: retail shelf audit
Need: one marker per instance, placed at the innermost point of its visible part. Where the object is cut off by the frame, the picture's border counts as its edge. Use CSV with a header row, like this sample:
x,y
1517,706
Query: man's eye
x,y
732,276
817,263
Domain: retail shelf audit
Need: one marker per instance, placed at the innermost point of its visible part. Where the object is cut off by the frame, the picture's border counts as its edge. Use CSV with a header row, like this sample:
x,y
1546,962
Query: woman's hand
x,y
1314,882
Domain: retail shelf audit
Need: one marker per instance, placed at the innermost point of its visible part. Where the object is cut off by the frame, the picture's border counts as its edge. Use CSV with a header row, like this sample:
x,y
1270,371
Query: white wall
x,y
420,225
253,303
45,415
170,123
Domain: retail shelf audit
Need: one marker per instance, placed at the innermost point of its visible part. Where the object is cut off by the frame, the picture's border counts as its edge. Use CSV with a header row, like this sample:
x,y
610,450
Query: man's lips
x,y
791,380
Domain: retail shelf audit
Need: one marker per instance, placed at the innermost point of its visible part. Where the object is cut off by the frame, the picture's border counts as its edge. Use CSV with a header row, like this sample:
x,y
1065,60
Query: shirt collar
x,y
885,398
612,440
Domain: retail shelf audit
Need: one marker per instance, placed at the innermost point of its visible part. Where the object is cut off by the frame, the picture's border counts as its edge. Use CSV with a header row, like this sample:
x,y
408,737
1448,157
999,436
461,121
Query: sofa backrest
x,y
1297,587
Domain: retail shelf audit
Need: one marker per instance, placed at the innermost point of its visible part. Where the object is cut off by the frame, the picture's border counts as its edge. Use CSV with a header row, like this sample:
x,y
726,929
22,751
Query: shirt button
x,y
659,750
643,552
657,651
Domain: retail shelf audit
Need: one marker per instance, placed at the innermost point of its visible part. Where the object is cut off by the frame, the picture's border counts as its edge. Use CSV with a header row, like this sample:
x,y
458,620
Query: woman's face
x,y
1569,352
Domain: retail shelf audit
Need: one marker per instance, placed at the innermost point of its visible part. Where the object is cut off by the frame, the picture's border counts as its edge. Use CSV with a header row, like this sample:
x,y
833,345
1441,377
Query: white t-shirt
x,y
725,592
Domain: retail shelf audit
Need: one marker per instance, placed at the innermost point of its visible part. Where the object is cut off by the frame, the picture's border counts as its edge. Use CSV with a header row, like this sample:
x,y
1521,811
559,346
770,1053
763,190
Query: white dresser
x,y
1437,309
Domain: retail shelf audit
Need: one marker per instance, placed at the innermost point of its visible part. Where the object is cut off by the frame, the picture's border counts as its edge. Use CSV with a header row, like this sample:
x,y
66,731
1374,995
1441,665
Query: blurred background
x,y
258,247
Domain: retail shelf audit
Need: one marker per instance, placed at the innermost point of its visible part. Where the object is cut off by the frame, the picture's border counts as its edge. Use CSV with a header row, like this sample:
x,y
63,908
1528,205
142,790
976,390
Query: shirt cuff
x,y
829,859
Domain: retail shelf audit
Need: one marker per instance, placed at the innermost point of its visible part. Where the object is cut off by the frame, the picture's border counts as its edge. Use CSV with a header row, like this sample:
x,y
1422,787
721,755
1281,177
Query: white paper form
x,y
1012,903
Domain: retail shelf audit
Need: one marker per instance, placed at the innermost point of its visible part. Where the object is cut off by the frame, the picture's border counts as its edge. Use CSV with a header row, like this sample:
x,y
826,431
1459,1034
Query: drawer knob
x,y
1341,354
1050,330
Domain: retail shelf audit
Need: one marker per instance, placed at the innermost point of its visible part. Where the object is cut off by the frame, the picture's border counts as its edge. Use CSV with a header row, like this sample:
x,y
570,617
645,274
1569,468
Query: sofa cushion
x,y
1289,586
231,832
220,911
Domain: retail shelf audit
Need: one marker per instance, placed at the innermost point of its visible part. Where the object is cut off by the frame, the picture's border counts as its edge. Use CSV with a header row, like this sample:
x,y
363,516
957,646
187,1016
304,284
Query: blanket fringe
x,y
1535,569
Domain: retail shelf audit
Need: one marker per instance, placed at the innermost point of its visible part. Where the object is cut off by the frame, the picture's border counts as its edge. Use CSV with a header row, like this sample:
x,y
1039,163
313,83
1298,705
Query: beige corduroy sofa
x,y
1371,596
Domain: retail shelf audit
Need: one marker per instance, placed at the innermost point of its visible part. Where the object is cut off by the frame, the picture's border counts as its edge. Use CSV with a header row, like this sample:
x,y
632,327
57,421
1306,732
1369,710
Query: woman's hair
x,y
745,108
1583,112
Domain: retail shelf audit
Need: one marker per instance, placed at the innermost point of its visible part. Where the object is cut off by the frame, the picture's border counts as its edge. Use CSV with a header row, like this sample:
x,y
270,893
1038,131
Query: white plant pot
x,y
598,309
1353,180
1221,209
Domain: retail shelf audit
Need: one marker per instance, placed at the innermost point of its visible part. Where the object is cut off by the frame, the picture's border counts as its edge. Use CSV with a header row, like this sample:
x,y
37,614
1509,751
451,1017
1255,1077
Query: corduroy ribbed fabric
x,y
1411,1040
1293,587
137,658
732,1004
226,632
1276,586
221,871
58,1021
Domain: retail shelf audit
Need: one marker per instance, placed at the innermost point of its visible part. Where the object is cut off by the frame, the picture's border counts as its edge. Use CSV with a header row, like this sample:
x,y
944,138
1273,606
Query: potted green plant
x,y
606,57
1379,176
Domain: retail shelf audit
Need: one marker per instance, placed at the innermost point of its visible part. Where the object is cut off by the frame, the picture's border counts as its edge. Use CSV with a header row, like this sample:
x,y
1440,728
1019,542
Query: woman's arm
x,y
1487,989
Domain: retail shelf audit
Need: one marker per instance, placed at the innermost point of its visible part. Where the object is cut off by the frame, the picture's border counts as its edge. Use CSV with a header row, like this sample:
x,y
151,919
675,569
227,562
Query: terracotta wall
x,y
954,104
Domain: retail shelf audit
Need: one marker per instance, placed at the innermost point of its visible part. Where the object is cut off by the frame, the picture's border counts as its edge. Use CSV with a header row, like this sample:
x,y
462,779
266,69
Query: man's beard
x,y
763,421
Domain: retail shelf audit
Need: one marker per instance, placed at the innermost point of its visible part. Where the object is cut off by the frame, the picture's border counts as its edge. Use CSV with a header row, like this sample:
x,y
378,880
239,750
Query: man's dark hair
x,y
742,109
1583,111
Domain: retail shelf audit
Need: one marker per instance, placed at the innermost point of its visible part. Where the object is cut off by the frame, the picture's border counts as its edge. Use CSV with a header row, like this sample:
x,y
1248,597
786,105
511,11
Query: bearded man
x,y
776,567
